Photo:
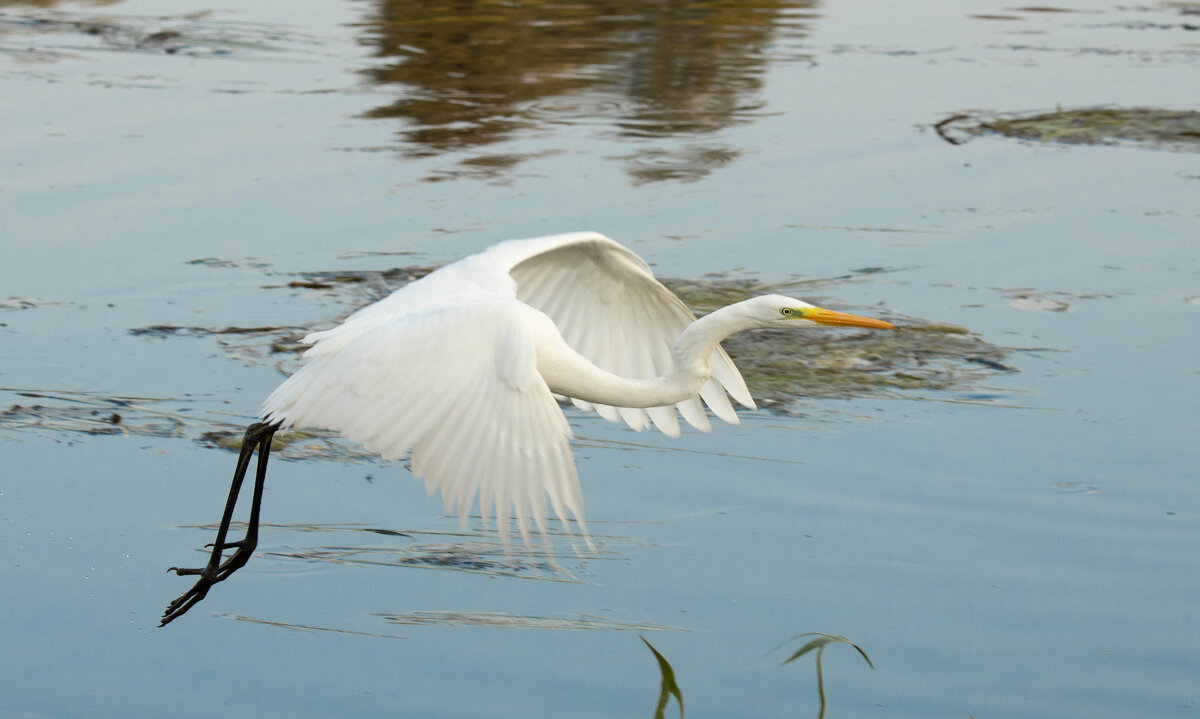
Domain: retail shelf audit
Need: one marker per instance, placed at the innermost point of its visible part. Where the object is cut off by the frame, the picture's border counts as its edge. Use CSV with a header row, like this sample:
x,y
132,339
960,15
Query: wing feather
x,y
429,382
693,412
444,370
718,401
609,307
665,420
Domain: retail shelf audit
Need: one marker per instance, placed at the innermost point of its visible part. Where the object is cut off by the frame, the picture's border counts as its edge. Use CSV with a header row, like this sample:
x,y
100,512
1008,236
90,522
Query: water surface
x,y
1020,541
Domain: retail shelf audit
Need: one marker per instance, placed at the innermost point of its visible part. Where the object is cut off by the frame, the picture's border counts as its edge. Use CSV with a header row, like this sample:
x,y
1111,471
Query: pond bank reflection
x,y
472,75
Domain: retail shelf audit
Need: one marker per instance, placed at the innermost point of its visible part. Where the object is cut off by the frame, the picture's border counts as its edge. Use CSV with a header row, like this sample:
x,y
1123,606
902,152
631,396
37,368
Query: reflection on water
x,y
307,627
481,552
492,620
498,620
473,74
473,550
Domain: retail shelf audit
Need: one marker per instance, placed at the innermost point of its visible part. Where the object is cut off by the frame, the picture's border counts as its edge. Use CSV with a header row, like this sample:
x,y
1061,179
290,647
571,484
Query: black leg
x,y
258,436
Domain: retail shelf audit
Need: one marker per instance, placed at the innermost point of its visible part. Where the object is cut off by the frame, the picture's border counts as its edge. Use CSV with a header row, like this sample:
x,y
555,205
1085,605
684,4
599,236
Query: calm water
x,y
1021,544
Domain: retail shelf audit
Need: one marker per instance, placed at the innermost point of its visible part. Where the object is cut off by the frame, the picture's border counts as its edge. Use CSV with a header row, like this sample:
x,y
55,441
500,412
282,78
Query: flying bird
x,y
463,370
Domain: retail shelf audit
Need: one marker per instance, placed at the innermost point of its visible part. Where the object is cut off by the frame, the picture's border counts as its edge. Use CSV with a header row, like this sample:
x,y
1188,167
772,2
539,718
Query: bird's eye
x,y
786,311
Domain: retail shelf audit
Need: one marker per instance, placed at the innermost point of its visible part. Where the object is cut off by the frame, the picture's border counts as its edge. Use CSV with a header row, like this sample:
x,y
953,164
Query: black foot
x,y
210,545
257,437
208,577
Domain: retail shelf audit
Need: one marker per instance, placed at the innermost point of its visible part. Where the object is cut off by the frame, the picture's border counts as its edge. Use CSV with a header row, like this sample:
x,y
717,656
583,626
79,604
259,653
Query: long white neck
x,y
571,374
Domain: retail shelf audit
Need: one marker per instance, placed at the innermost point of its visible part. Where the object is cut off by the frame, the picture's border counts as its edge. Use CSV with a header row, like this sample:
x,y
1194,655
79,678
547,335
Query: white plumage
x,y
461,369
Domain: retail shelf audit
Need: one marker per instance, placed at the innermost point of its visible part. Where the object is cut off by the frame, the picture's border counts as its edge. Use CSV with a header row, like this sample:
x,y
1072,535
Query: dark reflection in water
x,y
470,73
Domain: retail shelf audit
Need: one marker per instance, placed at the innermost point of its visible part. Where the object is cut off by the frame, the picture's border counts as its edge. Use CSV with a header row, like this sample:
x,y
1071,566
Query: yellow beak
x,y
843,319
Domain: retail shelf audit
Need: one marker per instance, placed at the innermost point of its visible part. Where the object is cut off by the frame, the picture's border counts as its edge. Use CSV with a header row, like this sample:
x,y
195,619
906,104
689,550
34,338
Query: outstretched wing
x,y
609,307
458,387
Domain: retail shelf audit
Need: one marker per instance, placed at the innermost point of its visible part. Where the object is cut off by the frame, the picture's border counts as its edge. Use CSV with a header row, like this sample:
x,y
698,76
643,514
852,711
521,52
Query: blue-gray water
x,y
1022,545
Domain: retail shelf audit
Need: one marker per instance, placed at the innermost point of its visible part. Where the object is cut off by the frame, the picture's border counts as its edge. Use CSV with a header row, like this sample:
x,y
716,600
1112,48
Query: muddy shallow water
x,y
999,504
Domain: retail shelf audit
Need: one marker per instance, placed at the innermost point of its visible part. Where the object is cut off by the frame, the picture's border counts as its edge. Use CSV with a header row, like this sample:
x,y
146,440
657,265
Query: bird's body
x,y
461,369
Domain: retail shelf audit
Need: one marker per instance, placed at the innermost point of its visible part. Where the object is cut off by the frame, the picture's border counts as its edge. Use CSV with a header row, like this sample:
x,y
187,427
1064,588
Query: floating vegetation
x,y
476,557
193,35
56,412
1028,299
780,366
26,303
1036,302
307,627
493,620
1143,126
289,444
89,413
161,331
497,620
849,228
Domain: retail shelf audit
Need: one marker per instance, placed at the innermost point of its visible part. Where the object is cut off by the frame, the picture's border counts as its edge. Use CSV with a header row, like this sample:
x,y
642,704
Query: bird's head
x,y
782,311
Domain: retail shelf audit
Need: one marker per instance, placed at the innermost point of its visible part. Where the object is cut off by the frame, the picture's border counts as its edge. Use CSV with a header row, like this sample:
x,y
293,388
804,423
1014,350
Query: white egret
x,y
461,369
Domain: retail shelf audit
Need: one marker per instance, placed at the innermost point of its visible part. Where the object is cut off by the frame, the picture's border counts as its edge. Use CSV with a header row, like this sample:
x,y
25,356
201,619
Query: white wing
x,y
457,386
445,368
609,308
